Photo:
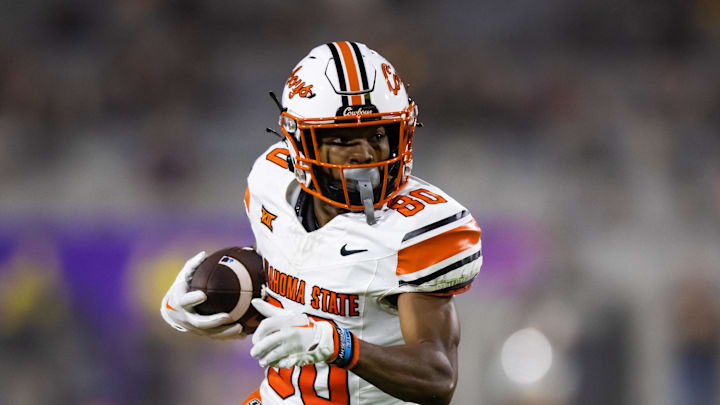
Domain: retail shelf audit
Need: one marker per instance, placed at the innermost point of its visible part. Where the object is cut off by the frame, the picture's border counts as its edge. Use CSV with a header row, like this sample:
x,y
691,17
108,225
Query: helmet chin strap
x,y
364,180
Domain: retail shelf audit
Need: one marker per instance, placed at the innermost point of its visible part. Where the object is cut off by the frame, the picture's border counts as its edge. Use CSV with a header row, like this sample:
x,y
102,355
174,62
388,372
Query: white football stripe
x,y
245,281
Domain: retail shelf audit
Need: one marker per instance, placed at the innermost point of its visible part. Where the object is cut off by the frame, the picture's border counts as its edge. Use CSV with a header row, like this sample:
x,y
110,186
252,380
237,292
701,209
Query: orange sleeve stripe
x,y
438,248
247,198
351,69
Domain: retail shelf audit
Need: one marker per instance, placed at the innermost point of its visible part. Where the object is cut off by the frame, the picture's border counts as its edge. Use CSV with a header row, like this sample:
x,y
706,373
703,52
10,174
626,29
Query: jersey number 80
x,y
415,201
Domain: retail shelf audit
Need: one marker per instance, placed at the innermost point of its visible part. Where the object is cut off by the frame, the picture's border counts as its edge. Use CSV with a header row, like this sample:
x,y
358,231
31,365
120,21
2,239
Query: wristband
x,y
347,351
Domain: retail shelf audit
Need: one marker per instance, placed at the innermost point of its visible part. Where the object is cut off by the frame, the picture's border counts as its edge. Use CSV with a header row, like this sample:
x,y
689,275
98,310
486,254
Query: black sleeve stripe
x,y
444,270
435,225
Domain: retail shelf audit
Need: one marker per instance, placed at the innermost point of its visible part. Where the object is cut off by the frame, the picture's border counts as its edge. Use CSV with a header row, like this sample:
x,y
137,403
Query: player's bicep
x,y
429,319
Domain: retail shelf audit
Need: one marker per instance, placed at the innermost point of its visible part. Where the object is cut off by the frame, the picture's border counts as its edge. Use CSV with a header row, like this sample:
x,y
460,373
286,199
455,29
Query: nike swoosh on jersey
x,y
345,252
168,306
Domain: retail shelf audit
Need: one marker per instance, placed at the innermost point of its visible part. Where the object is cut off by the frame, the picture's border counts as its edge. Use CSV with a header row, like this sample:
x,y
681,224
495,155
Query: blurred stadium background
x,y
584,136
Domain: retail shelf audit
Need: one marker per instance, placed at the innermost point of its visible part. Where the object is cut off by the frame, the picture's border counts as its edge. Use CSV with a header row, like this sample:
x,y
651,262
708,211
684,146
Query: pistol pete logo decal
x,y
298,86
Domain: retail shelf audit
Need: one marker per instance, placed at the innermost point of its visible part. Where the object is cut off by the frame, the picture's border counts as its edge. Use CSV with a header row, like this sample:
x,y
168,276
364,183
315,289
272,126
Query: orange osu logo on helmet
x,y
396,82
298,86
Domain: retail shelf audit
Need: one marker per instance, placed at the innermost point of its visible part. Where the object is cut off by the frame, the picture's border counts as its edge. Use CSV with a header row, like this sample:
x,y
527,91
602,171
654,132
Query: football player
x,y
362,259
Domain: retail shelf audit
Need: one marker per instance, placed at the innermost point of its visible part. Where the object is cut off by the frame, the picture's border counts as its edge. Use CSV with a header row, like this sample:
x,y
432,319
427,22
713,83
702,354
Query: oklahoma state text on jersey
x,y
347,271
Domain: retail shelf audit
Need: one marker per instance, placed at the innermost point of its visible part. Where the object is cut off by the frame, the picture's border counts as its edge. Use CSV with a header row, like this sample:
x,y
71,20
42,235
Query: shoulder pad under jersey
x,y
439,248
268,177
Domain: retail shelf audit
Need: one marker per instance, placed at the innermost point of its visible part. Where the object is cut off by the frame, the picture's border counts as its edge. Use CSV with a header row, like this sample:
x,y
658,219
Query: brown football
x,y
231,278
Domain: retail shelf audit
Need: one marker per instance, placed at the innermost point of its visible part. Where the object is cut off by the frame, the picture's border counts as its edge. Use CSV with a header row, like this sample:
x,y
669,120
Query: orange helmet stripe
x,y
351,70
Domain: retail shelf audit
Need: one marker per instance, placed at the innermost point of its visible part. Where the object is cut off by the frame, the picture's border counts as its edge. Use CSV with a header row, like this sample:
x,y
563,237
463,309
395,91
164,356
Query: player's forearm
x,y
419,373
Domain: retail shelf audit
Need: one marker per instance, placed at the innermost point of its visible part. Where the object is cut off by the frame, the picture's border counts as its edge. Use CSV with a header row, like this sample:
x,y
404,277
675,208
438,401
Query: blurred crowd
x,y
584,136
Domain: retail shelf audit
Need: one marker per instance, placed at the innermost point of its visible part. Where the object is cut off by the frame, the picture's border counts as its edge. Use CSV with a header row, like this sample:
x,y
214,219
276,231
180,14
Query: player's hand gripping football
x,y
286,339
177,308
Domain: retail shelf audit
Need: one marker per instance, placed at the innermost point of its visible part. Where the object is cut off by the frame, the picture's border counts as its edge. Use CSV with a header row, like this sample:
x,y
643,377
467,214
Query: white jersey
x,y
349,272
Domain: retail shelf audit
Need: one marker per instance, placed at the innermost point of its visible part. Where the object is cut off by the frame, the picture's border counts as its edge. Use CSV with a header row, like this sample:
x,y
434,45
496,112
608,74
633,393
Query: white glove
x,y
286,339
177,308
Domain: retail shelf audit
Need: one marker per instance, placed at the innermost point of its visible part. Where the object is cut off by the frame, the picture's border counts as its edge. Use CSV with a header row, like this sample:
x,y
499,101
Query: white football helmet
x,y
342,85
